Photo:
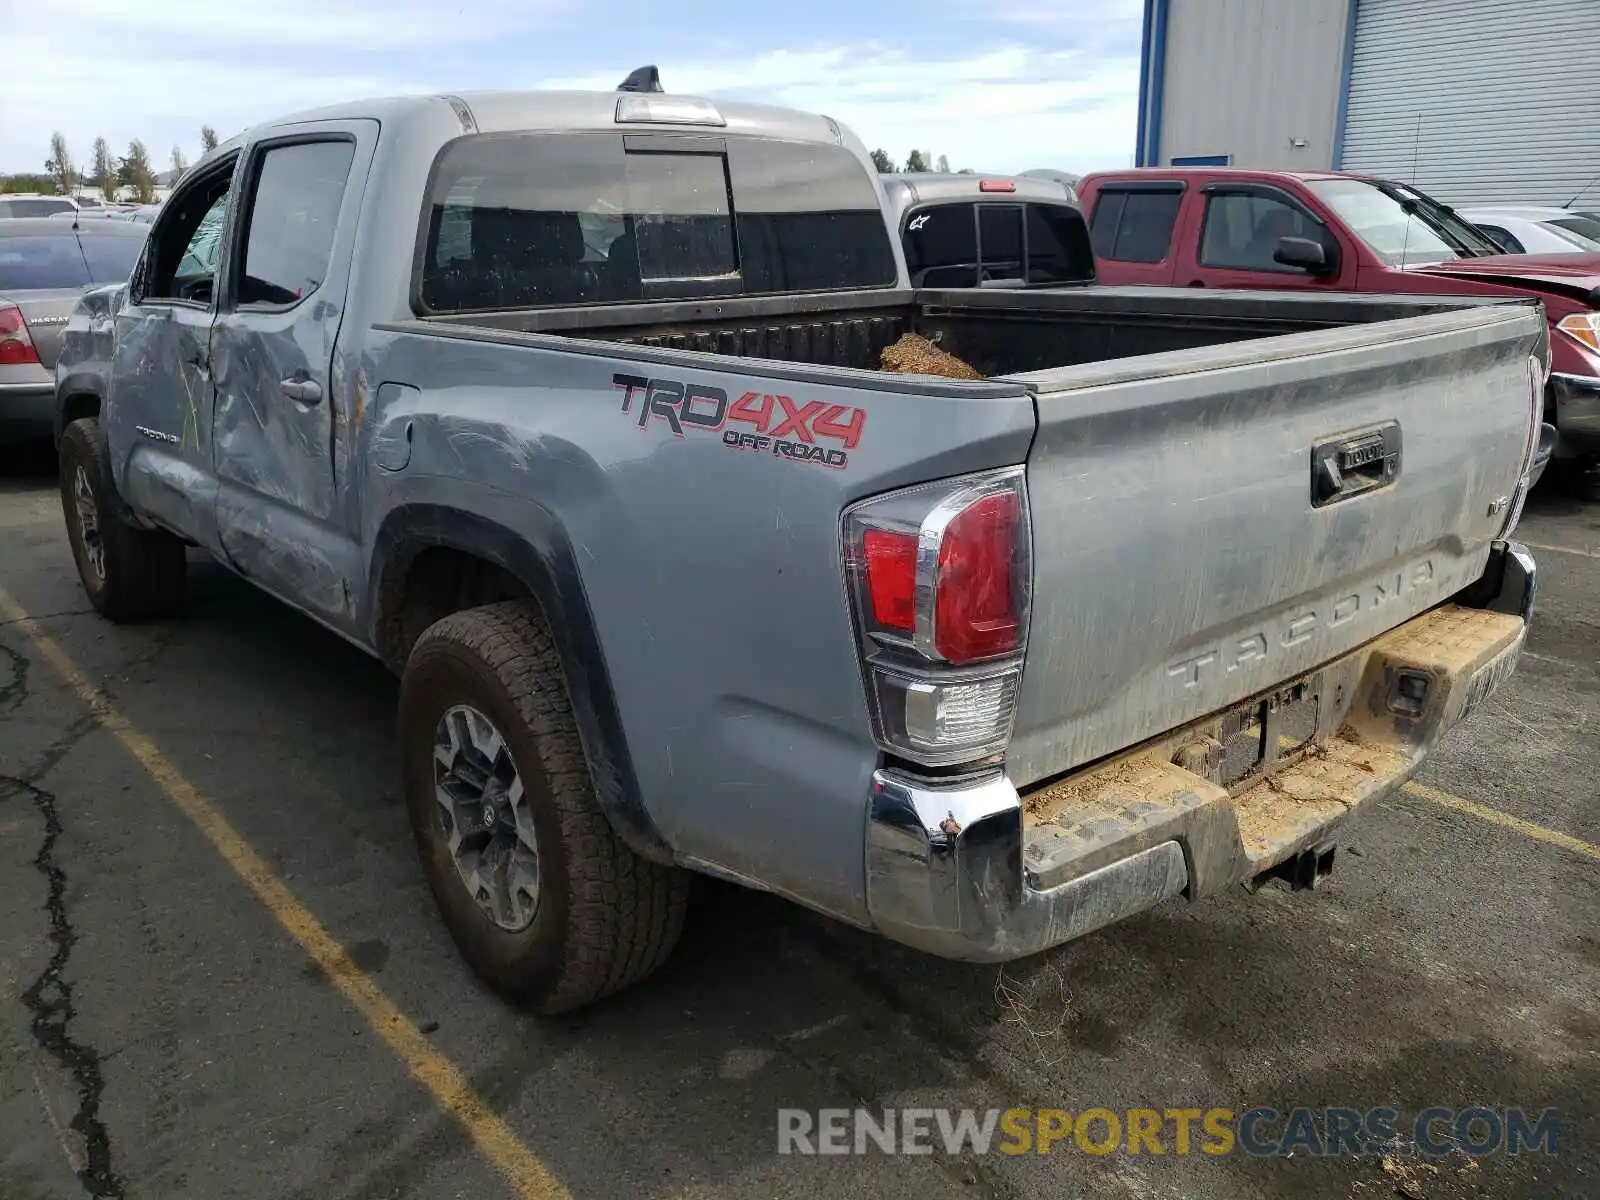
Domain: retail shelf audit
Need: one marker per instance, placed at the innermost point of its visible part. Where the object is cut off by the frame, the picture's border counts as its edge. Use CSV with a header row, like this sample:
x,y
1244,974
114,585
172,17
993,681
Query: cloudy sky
x,y
1046,83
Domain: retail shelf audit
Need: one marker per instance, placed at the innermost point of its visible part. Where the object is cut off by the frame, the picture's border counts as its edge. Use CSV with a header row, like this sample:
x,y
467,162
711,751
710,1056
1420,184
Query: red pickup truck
x,y
1230,228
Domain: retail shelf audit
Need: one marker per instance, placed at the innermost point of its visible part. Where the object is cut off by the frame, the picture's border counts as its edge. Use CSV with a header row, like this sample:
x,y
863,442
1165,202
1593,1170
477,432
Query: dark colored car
x,y
989,231
45,265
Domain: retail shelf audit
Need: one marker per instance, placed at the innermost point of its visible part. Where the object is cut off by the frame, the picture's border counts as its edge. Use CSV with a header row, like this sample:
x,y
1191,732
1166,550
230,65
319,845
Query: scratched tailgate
x,y
1207,524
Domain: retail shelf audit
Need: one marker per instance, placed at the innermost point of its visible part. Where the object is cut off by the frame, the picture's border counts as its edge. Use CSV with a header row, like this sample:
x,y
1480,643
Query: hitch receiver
x,y
1300,871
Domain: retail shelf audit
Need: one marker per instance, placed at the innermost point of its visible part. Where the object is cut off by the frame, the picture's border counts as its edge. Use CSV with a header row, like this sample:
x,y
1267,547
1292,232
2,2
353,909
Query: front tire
x,y
129,574
544,901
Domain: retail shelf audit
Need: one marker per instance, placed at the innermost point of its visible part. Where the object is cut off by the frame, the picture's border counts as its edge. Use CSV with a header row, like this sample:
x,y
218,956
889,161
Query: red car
x,y
1223,227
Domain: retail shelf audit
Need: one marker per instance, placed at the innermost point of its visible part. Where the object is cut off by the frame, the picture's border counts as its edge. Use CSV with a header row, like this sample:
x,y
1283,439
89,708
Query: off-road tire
x,y
145,571
606,918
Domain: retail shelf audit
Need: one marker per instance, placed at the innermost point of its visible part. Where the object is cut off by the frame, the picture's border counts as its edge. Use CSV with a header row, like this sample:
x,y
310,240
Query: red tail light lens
x,y
975,613
939,579
996,185
16,345
892,578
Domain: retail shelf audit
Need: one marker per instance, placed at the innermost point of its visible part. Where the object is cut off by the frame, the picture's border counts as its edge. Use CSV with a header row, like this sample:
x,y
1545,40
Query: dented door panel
x,y
159,427
279,393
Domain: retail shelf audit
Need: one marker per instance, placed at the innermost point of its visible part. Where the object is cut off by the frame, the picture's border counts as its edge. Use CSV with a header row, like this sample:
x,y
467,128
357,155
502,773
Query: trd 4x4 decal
x,y
777,425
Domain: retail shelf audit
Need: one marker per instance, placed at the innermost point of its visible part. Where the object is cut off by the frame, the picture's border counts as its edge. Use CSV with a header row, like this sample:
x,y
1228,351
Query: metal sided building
x,y
1473,100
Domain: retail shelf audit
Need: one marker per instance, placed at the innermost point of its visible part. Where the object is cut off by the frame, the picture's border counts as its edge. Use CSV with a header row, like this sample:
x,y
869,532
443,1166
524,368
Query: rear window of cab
x,y
530,220
966,243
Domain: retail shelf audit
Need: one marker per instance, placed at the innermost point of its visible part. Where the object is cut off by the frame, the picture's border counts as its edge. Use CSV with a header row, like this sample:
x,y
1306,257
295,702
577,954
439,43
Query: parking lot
x,y
221,973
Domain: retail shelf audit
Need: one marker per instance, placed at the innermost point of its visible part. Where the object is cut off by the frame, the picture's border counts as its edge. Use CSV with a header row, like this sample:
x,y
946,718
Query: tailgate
x,y
1188,554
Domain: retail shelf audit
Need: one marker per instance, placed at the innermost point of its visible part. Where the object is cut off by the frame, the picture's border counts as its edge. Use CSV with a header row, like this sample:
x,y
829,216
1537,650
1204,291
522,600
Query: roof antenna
x,y
645,79
1416,153
1581,191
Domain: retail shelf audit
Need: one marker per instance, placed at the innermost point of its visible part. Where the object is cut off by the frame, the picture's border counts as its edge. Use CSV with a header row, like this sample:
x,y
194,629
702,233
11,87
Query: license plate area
x,y
1268,732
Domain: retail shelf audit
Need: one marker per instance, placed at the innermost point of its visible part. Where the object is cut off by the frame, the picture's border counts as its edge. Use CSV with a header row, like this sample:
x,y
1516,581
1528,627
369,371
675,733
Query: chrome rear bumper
x,y
972,870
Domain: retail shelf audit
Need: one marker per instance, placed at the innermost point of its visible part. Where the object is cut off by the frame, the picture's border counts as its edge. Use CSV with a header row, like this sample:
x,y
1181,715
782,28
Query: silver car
x,y
1533,229
45,265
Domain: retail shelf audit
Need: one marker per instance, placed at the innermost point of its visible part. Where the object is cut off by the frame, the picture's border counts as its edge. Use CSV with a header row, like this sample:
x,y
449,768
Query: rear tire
x,y
129,574
485,685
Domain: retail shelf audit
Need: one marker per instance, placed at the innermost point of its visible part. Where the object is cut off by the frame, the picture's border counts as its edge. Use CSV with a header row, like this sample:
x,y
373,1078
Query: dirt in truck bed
x,y
916,355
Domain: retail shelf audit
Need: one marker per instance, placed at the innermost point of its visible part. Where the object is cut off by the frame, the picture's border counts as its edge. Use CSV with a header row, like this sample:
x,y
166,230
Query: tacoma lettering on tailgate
x,y
777,425
1298,625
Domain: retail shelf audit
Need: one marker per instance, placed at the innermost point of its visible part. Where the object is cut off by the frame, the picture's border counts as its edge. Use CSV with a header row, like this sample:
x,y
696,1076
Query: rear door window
x,y
47,261
532,220
1135,225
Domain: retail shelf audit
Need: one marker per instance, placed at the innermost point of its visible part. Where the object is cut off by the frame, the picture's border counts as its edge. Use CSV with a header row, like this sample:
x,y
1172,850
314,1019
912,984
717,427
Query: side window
x,y
942,246
1242,230
1107,216
1135,225
1502,238
1145,234
205,246
185,243
293,215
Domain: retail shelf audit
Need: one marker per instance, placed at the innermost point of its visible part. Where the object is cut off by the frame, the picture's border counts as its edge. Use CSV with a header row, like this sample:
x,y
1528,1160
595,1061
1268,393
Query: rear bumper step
x,y
974,871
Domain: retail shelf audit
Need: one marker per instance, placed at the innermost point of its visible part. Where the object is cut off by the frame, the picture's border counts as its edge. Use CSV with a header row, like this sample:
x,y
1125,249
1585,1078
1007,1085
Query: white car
x,y
1529,229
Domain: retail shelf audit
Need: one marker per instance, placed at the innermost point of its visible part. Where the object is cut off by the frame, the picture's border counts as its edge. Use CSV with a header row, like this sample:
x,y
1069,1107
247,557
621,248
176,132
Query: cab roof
x,y
906,188
507,111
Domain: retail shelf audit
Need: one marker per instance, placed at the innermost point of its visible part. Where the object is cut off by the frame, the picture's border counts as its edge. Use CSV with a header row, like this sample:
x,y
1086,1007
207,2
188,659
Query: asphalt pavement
x,y
221,974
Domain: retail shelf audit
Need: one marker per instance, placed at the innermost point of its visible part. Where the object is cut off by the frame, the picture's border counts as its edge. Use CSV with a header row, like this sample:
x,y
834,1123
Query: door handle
x,y
306,391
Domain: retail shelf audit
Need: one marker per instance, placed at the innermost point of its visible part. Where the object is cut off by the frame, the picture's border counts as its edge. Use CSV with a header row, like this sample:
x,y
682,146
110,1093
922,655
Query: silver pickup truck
x,y
568,407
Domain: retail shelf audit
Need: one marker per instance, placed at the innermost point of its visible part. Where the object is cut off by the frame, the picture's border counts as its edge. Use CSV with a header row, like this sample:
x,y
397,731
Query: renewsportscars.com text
x,y
1261,1132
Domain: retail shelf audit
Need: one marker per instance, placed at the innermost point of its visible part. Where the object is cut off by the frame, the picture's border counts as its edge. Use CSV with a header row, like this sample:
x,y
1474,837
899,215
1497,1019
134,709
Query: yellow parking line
x,y
1563,549
1505,820
450,1089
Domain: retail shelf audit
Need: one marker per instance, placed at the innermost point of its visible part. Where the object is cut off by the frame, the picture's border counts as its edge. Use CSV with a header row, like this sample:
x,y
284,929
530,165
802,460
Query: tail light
x,y
16,344
939,578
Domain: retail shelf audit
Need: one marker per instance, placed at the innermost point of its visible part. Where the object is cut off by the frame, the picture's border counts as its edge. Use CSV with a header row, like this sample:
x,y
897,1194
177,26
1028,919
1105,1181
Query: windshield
x,y
1399,224
1586,228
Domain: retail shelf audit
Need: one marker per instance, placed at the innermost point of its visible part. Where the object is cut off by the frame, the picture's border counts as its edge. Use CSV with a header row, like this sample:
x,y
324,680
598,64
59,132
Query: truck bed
x,y
999,332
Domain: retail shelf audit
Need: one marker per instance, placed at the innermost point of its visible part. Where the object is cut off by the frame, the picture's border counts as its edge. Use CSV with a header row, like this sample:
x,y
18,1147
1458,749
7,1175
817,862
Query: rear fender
x,y
541,557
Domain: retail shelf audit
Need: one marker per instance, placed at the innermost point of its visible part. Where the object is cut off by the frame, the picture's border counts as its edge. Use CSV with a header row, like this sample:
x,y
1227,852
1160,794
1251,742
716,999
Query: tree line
x,y
133,170
916,161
